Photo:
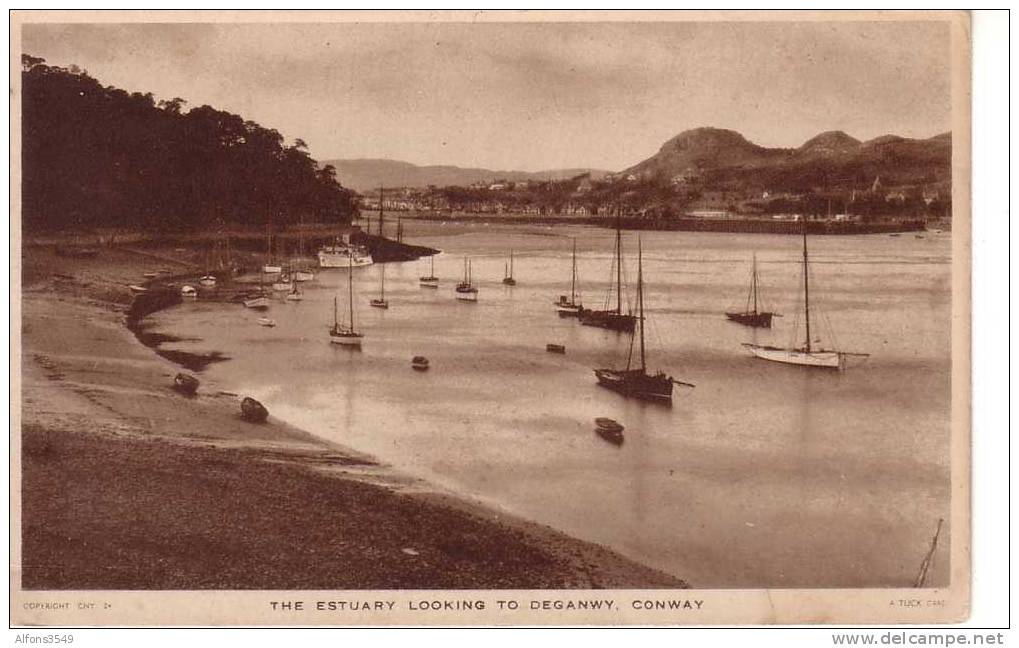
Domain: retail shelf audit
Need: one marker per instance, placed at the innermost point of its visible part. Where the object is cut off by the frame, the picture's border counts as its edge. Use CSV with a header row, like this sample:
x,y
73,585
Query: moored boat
x,y
381,302
188,291
570,306
265,321
257,302
345,335
612,319
431,281
419,363
253,411
637,382
752,316
465,290
508,277
807,355
342,255
185,384
555,348
609,430
207,281
283,285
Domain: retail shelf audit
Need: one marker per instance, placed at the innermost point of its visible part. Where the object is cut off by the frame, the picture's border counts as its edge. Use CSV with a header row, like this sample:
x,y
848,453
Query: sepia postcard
x,y
490,318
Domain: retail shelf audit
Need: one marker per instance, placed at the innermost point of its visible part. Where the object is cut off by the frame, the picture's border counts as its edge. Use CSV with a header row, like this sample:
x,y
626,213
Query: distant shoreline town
x,y
703,179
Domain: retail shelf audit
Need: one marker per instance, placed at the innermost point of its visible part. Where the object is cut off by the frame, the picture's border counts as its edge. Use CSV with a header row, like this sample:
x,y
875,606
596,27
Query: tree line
x,y
95,156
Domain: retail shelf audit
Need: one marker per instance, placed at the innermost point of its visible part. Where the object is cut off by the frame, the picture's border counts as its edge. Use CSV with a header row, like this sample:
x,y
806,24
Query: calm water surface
x,y
763,475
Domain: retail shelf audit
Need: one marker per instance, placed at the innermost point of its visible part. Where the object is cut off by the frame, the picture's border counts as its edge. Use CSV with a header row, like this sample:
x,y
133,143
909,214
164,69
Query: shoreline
x,y
687,224
215,502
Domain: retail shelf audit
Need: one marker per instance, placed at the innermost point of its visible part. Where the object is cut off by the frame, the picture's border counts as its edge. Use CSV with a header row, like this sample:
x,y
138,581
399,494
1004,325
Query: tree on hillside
x,y
100,156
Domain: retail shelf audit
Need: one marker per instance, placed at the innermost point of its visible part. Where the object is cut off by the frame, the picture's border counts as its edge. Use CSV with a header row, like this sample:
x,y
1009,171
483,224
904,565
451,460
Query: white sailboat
x,y
807,355
345,335
270,267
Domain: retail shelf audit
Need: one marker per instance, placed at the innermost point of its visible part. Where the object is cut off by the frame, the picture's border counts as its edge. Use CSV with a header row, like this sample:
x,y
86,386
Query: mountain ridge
x,y
728,158
367,174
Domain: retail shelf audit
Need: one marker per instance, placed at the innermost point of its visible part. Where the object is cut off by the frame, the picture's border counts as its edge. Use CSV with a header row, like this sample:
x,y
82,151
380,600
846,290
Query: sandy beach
x,y
126,484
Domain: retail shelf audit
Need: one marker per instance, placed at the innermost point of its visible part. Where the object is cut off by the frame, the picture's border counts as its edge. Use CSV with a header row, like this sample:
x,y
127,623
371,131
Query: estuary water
x,y
763,475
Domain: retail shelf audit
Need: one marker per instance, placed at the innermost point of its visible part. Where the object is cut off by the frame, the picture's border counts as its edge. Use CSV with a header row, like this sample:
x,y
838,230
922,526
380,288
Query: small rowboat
x,y
258,302
185,384
609,430
265,321
208,281
555,348
138,289
151,275
253,411
419,363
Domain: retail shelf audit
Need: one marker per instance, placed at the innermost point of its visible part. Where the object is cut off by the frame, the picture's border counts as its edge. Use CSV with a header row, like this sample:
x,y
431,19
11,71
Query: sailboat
x,y
431,281
295,294
755,318
299,271
345,335
613,319
270,266
637,382
208,280
572,306
508,278
258,300
807,355
465,290
381,301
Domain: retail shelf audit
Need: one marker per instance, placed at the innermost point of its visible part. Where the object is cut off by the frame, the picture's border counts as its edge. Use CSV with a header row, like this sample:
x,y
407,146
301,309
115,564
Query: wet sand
x,y
126,484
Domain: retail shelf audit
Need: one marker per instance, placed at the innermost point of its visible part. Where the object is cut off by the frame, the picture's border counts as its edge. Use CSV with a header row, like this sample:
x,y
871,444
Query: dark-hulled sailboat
x,y
638,382
613,319
508,278
752,317
340,334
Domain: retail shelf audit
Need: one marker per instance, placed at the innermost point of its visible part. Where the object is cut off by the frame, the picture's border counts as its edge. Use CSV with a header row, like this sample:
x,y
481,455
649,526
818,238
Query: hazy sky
x,y
529,96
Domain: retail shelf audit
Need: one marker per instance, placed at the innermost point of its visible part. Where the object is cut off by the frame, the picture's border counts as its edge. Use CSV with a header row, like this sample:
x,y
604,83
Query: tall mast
x,y
806,286
350,287
380,210
619,265
432,257
382,290
511,264
755,283
336,314
640,303
573,285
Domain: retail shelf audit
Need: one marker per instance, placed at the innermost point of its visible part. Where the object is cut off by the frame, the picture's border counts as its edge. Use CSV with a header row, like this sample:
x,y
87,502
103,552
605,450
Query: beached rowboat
x,y
253,411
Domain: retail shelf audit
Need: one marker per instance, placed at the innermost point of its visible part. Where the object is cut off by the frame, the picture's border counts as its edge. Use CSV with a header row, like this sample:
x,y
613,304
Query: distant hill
x,y
365,175
725,159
